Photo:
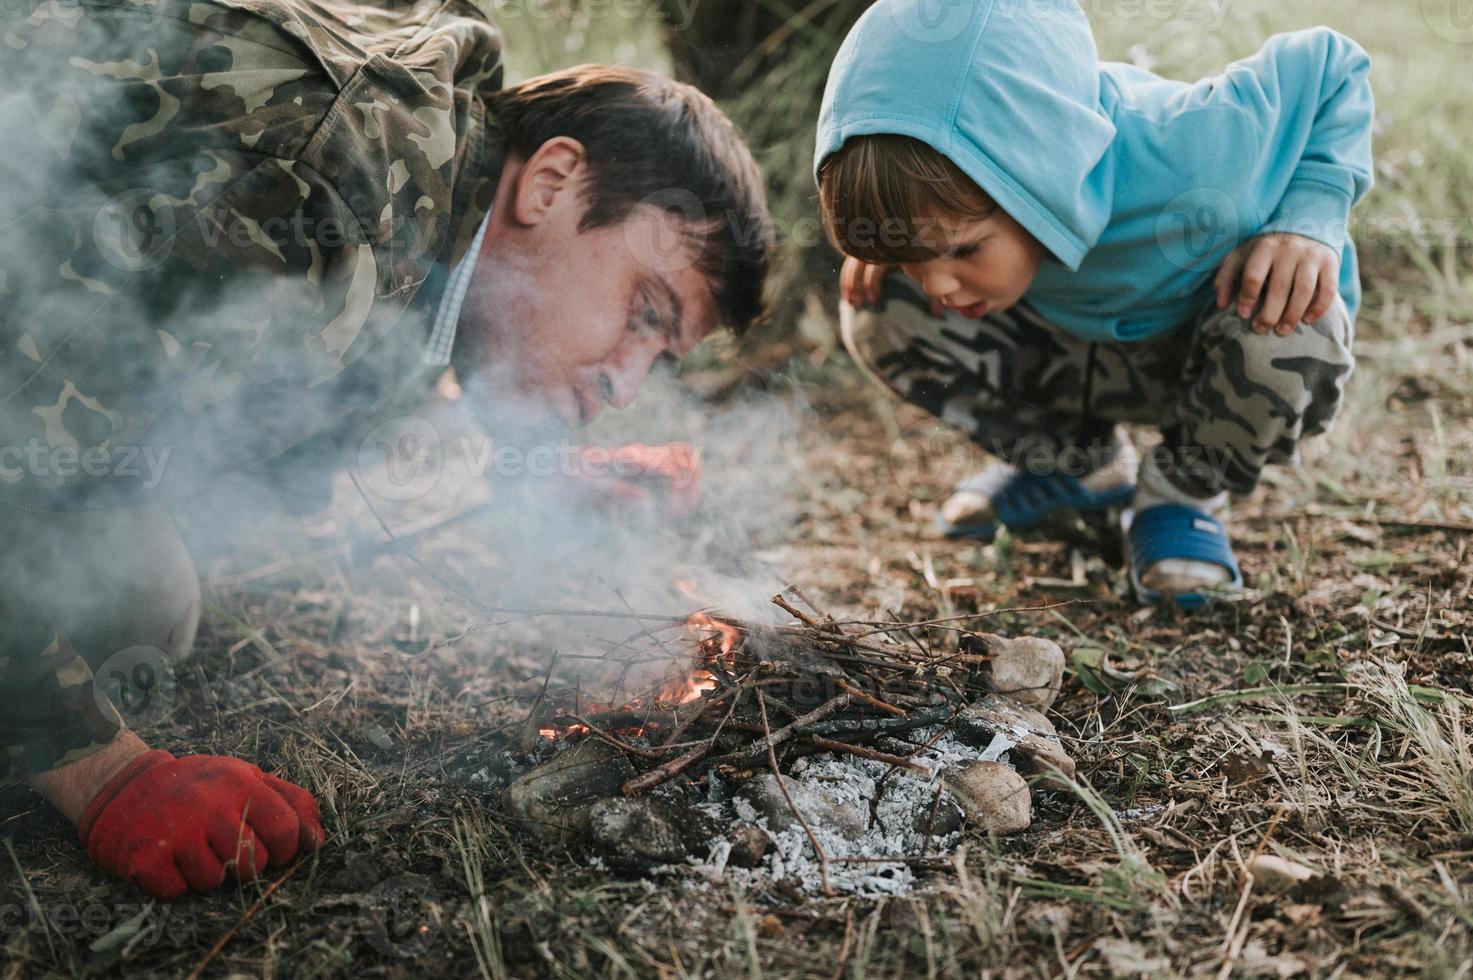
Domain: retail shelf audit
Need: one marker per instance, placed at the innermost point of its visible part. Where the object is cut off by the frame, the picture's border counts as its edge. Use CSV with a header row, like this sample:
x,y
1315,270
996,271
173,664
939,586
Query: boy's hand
x,y
1296,278
859,282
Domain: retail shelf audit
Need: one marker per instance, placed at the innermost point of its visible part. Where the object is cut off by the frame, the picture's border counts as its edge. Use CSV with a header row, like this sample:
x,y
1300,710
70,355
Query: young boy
x,y
1084,243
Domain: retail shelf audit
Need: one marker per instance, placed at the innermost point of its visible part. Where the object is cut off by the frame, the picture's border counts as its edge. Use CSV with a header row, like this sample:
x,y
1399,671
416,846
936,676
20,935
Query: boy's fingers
x,y
1280,283
1324,297
1255,273
1227,277
1306,279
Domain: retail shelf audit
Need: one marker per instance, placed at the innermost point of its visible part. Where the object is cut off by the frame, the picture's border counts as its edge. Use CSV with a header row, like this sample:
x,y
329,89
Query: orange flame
x,y
553,734
716,643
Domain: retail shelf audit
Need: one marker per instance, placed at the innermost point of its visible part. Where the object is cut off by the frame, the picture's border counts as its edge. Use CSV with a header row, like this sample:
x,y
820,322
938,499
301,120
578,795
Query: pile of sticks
x,y
779,692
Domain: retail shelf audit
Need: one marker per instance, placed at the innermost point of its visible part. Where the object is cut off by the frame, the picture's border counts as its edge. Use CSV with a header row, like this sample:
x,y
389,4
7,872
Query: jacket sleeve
x,y
254,299
1311,92
49,714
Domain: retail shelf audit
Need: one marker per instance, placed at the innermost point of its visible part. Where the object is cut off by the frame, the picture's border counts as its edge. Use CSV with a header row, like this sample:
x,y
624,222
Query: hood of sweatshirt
x,y
1008,90
1137,185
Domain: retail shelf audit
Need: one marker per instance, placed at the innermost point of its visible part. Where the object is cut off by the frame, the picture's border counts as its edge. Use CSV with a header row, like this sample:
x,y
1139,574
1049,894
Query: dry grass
x,y
1325,720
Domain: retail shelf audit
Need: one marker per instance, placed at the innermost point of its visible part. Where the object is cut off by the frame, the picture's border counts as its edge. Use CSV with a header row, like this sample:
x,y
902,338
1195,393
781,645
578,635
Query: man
x,y
229,228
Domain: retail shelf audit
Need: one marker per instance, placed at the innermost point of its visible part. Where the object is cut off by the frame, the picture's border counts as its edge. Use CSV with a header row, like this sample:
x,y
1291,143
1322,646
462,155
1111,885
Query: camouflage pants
x,y
1226,400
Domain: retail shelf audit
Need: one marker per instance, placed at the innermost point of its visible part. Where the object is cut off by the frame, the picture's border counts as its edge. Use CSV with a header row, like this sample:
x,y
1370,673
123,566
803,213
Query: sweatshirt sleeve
x,y
1311,93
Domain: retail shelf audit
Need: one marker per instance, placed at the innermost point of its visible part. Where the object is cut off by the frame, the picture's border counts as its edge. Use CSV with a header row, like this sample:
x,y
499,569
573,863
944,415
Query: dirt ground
x,y
1324,719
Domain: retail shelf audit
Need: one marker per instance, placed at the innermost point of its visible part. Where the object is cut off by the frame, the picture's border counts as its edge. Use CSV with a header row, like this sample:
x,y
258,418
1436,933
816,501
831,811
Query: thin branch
x,y
823,858
267,892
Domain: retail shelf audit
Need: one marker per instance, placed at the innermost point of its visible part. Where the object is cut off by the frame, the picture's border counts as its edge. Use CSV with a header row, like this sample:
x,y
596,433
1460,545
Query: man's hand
x,y
1301,276
636,475
174,825
859,282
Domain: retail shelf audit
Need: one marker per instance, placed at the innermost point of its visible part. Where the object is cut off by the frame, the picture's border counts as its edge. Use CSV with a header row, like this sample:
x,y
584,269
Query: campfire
x,y
845,748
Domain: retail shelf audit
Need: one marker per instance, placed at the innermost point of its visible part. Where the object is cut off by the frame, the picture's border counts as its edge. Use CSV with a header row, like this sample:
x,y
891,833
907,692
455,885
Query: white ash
x,y
1139,813
896,821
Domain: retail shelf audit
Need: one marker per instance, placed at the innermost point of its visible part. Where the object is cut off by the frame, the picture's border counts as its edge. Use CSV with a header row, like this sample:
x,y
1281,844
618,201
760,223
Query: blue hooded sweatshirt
x,y
1137,185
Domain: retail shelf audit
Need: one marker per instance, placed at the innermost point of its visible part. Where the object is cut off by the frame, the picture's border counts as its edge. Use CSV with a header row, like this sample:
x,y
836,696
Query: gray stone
x,y
993,796
749,845
647,830
1038,748
948,818
553,799
1278,874
1029,669
819,808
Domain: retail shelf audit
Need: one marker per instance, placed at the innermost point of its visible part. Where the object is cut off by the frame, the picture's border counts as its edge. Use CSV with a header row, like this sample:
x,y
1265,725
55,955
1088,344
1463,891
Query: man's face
x,y
574,320
987,265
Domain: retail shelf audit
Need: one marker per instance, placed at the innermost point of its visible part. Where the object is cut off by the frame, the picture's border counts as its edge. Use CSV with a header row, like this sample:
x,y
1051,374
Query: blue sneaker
x,y
1171,546
1002,496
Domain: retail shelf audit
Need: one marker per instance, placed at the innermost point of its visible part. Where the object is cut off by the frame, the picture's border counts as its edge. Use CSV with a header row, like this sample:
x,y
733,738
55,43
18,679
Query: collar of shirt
x,y
447,316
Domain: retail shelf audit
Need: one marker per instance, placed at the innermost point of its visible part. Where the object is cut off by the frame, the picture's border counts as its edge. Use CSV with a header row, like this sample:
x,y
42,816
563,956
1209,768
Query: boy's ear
x,y
550,179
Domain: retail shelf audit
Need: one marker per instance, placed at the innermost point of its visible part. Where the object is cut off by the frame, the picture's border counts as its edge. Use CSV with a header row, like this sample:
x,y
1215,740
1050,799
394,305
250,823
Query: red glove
x,y
633,474
171,825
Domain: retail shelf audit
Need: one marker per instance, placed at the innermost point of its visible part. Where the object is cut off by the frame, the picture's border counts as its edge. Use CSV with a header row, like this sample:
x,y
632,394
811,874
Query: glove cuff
x,y
115,786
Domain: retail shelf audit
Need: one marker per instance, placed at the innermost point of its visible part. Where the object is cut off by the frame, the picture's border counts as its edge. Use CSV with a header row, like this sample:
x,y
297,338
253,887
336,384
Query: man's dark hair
x,y
652,140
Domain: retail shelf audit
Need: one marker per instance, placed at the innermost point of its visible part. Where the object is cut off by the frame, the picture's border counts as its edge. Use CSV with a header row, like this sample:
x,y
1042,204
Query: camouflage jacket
x,y
219,219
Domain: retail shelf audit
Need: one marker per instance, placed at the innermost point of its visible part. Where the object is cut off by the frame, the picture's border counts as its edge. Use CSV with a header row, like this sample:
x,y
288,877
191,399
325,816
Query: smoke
x,y
142,367
540,543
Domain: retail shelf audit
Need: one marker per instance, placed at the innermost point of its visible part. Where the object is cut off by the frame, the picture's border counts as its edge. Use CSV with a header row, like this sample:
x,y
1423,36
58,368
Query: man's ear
x,y
551,178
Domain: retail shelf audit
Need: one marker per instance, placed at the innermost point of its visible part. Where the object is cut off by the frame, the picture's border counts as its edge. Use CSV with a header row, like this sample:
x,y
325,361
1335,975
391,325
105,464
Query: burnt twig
x,y
875,727
747,758
823,858
829,745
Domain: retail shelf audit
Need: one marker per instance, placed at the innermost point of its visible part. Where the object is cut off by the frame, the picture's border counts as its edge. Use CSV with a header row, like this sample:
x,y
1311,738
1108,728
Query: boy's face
x,y
986,267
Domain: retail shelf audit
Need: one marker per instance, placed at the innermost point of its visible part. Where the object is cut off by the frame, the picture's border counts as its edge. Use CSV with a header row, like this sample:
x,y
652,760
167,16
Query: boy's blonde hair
x,y
881,196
